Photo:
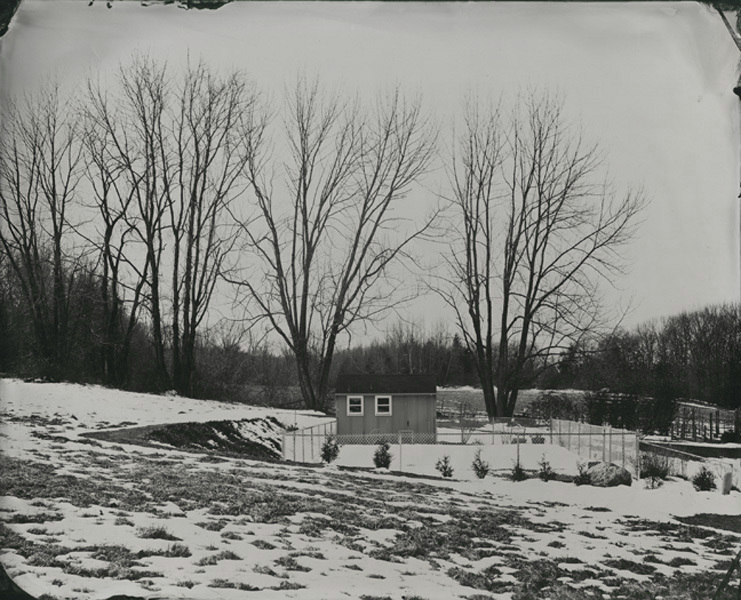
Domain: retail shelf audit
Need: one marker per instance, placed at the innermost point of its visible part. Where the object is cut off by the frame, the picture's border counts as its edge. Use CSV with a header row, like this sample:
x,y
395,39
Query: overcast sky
x,y
650,82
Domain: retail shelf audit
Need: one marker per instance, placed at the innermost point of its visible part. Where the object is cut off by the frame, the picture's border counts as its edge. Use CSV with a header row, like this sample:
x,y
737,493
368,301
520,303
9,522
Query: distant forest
x,y
121,297
691,355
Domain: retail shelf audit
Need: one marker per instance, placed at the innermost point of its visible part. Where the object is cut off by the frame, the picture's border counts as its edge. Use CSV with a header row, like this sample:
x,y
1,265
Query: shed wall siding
x,y
409,412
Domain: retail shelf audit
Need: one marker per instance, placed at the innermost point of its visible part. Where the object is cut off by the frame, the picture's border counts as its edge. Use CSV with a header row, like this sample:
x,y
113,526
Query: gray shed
x,y
385,404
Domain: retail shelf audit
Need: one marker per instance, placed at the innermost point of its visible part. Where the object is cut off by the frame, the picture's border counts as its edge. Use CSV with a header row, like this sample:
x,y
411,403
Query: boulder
x,y
604,474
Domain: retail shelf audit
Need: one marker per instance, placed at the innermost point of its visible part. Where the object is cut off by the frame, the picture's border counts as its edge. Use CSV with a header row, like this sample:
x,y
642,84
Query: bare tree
x,y
211,123
40,168
126,148
173,152
121,280
326,236
536,232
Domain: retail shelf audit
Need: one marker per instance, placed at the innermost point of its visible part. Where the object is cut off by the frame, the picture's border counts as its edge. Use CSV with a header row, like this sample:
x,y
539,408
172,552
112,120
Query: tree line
x,y
132,209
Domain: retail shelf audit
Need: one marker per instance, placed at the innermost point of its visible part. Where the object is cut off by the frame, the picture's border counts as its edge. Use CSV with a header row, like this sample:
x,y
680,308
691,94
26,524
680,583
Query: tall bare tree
x,y
536,231
40,169
173,151
130,132
121,279
211,123
327,233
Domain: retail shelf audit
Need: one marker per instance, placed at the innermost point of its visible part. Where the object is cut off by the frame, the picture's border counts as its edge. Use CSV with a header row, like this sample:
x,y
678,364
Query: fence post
x,y
622,435
637,465
400,450
609,454
604,443
550,431
312,444
303,448
578,439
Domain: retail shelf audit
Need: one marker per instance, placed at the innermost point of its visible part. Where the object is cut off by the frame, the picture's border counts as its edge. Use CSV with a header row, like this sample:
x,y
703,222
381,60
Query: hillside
x,y
83,518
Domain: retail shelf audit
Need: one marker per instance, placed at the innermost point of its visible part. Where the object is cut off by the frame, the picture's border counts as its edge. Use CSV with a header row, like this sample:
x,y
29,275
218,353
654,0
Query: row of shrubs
x,y
382,460
655,469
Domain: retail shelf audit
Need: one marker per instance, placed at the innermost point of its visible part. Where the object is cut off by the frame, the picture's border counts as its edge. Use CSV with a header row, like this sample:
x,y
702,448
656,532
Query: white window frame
x,y
391,406
362,405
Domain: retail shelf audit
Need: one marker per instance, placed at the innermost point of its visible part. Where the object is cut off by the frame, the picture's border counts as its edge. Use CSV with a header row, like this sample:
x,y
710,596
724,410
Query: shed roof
x,y
391,384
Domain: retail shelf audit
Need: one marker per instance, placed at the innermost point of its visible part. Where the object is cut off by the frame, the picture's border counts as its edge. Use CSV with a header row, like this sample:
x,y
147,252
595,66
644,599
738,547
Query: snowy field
x,y
84,518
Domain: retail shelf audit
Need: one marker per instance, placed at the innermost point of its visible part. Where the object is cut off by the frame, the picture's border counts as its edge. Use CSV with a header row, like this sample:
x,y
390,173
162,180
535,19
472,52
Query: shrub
x,y
479,466
546,472
518,473
538,439
654,468
704,480
552,405
382,457
330,449
583,477
444,467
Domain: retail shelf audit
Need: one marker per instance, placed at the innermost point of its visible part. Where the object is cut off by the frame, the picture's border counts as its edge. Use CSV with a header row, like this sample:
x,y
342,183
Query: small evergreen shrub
x,y
330,449
382,457
538,439
654,469
583,477
546,472
518,473
444,467
704,481
480,467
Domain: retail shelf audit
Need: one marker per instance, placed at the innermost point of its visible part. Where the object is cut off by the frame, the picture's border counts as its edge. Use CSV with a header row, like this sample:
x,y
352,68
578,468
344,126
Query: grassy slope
x,y
79,517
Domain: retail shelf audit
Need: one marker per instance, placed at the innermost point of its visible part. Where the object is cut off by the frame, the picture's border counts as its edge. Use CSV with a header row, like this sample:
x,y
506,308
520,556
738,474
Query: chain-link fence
x,y
687,465
597,442
305,445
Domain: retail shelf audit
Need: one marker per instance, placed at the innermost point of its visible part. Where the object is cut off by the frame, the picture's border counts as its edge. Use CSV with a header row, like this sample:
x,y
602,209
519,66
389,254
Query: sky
x,y
650,82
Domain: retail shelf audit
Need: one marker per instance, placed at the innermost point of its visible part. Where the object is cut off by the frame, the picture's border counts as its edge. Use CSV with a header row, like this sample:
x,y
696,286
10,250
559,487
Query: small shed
x,y
371,404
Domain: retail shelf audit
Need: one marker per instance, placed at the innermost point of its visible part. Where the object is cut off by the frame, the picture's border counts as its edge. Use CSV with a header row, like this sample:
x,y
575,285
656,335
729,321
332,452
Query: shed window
x,y
383,405
355,406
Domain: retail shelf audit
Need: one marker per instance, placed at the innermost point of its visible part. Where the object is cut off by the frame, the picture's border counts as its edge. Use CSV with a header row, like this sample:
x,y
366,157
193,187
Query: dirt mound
x,y
258,438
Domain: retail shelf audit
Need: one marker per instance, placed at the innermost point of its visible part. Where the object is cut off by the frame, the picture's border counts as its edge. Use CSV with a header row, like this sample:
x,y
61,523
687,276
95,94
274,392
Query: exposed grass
x,y
224,583
156,532
726,522
630,565
44,517
212,525
289,563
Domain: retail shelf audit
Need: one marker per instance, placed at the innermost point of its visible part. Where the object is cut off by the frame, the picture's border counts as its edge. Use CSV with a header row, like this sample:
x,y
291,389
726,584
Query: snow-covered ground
x,y
421,459
82,518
